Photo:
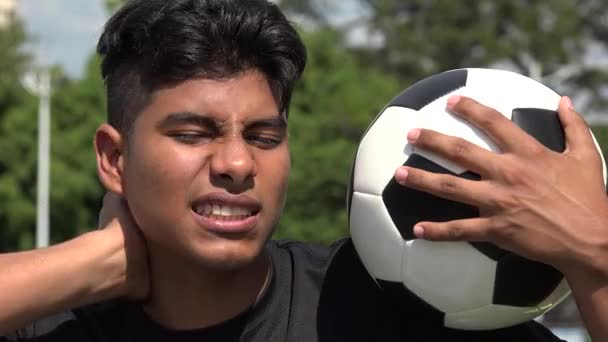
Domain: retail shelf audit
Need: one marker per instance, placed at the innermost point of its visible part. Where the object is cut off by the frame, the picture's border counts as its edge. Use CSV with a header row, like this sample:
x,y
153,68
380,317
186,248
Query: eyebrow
x,y
188,118
275,122
201,120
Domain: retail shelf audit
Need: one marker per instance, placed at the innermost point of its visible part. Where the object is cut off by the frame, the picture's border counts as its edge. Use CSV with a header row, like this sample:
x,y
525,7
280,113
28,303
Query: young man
x,y
195,156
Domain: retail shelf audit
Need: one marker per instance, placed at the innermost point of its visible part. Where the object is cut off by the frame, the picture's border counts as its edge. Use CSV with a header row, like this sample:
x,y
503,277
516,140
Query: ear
x,y
110,149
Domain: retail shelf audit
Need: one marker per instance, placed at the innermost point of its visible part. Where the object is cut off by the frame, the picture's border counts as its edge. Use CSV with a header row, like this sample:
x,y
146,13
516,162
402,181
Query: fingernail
x,y
401,175
419,231
413,135
568,102
453,100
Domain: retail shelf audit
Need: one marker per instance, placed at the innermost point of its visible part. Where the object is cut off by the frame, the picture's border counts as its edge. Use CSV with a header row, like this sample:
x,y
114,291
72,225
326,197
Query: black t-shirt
x,y
317,294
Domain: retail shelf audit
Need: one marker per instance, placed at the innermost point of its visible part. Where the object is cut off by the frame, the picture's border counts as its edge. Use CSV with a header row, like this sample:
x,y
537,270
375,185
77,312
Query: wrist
x,y
106,277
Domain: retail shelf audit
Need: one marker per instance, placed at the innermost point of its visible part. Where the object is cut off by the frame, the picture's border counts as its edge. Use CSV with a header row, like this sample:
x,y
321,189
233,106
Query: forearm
x,y
591,295
37,283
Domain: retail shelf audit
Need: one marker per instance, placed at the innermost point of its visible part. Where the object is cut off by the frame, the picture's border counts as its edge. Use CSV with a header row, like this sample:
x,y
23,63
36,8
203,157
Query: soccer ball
x,y
471,286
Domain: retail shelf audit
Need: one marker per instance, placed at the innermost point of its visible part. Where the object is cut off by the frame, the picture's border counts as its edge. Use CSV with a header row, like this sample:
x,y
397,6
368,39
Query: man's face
x,y
206,170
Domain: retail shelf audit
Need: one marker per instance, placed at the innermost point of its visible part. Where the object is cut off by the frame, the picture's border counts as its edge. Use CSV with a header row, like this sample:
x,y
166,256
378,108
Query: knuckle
x,y
425,138
536,149
448,185
590,153
415,177
513,172
578,121
489,119
460,148
504,200
506,234
466,104
502,230
455,232
492,231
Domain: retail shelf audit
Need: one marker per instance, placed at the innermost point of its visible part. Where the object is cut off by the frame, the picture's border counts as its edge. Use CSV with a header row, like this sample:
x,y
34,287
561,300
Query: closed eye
x,y
263,141
191,138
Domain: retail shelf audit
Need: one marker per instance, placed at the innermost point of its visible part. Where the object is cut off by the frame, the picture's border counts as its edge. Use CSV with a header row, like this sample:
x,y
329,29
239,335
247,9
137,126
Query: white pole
x,y
44,143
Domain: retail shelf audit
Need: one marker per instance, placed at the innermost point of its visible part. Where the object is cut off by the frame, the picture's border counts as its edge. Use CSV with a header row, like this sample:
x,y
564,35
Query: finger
x,y
102,218
578,135
507,135
459,150
450,187
109,208
473,229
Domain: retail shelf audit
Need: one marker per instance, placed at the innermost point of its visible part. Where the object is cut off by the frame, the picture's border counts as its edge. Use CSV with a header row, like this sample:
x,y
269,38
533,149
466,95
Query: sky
x,y
63,32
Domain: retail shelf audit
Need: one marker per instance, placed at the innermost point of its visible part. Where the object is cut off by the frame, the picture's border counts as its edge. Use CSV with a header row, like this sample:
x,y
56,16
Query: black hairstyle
x,y
149,44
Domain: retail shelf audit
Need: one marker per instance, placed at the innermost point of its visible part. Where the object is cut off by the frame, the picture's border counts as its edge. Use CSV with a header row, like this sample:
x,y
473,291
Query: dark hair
x,y
153,43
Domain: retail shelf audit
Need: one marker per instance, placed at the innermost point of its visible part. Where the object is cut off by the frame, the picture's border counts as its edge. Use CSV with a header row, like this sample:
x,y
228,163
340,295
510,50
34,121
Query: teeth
x,y
221,210
216,210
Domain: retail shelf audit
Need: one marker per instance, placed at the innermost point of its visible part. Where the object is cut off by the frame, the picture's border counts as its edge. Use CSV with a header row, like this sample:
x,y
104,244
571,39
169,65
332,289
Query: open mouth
x,y
223,212
226,214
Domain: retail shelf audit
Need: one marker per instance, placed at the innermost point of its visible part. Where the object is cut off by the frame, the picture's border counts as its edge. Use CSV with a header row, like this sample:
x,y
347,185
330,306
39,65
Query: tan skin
x,y
197,277
548,206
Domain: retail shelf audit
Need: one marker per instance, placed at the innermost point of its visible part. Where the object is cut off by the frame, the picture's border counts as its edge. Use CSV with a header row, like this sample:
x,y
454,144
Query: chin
x,y
228,255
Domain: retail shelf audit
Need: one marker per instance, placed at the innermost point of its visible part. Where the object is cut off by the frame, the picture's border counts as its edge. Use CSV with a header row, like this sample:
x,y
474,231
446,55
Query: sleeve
x,y
52,328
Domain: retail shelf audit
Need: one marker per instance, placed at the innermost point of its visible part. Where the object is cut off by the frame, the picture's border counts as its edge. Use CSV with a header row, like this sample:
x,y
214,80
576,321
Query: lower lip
x,y
227,226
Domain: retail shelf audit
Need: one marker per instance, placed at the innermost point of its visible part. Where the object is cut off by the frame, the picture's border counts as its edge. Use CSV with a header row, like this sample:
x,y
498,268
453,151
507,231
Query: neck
x,y
186,296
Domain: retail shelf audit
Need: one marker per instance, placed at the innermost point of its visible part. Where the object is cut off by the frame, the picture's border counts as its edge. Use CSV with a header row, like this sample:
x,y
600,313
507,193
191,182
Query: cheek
x,y
157,183
276,173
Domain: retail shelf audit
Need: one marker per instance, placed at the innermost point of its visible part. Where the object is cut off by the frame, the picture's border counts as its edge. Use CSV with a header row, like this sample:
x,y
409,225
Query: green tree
x,y
547,40
17,110
550,41
112,5
332,105
601,135
78,109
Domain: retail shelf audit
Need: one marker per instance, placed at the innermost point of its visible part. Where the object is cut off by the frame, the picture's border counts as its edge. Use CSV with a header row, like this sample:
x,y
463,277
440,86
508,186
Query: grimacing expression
x,y
205,174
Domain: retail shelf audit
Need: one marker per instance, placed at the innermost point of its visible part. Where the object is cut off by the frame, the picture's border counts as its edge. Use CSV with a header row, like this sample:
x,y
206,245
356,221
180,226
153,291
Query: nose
x,y
233,164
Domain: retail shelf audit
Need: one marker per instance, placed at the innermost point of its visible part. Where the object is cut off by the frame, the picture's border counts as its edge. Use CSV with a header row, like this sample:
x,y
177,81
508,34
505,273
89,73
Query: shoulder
x,y
330,265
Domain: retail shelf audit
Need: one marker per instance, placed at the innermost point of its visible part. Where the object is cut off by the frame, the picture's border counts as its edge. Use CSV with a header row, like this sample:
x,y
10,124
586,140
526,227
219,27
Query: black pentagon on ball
x,y
426,91
407,206
542,124
430,89
522,282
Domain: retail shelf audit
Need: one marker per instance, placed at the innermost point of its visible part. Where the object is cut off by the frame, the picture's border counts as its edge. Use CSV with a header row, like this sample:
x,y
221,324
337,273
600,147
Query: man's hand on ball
x,y
547,206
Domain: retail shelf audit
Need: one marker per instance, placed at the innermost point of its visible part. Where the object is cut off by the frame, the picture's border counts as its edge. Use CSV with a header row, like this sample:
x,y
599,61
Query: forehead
x,y
246,95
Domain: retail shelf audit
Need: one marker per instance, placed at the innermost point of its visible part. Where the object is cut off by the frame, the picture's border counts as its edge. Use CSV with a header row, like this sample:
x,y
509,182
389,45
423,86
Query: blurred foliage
x,y
601,135
332,105
343,88
17,161
112,5
547,40
77,110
